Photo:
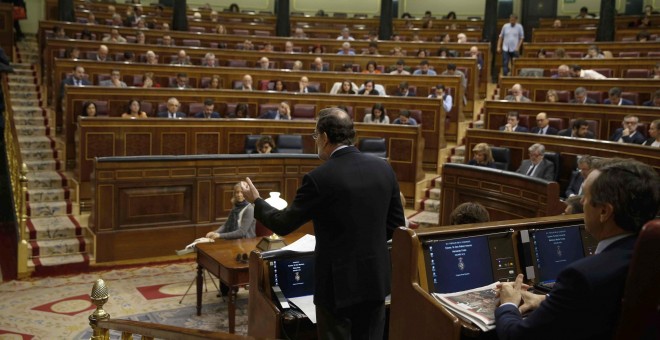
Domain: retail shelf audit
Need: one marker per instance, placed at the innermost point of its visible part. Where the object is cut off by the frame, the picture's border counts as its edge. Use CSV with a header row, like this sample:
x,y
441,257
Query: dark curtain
x,y
283,26
65,10
606,23
180,19
385,29
490,33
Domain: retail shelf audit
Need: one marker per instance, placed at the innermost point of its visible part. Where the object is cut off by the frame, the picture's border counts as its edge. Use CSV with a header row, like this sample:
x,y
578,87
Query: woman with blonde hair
x,y
483,156
551,96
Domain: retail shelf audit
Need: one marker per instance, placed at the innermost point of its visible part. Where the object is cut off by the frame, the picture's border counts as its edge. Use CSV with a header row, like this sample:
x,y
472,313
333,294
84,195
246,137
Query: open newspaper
x,y
475,305
191,247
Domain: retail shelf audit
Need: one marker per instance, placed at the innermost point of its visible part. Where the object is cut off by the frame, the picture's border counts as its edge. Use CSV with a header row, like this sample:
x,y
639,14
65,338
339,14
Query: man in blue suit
x,y
208,111
512,120
628,132
172,110
353,200
283,113
620,196
614,98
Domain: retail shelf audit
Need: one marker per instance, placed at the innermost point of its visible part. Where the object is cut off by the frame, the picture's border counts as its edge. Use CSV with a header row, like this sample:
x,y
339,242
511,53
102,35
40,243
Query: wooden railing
x,y
101,324
18,177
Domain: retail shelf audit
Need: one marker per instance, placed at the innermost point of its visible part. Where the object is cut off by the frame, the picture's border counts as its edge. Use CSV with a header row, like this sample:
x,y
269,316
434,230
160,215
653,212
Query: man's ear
x,y
606,212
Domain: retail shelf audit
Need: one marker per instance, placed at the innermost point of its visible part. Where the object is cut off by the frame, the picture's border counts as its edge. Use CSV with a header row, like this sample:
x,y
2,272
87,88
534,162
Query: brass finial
x,y
99,297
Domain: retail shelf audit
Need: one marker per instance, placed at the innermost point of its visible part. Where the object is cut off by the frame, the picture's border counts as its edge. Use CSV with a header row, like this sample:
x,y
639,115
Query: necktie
x,y
541,131
531,170
171,115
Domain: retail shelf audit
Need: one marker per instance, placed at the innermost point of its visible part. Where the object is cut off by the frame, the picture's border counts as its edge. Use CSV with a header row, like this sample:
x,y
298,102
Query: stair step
x,y
39,154
47,195
43,165
51,261
457,159
426,218
479,124
35,142
48,209
30,130
46,180
63,247
459,150
433,193
431,205
49,228
27,111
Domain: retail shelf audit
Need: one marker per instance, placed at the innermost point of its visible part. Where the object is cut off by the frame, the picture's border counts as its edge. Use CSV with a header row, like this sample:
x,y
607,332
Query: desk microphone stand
x,y
206,286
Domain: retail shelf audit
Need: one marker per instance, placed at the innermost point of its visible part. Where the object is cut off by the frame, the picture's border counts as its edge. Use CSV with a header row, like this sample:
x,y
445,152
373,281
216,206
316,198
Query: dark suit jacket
x,y
201,115
69,81
649,103
311,89
624,101
163,114
637,138
271,114
489,165
544,170
549,131
575,184
353,200
518,128
649,141
588,101
584,303
373,92
569,133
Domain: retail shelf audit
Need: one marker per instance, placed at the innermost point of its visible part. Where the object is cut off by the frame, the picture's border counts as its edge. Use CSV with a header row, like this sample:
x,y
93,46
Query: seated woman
x,y
483,156
134,110
593,52
345,87
148,80
240,222
369,89
279,86
654,136
265,144
377,115
88,110
241,111
371,68
551,96
214,84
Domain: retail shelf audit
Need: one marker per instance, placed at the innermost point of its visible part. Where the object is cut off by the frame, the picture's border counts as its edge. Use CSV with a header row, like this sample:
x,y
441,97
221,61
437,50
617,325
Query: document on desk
x,y
304,244
306,305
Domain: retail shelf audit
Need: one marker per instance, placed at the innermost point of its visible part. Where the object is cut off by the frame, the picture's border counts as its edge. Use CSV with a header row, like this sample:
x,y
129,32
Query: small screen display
x,y
554,249
294,276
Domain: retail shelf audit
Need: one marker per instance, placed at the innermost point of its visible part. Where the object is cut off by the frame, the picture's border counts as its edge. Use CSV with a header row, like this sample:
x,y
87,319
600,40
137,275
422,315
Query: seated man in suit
x,y
584,166
172,110
317,65
537,166
304,86
246,83
283,112
181,81
208,111
77,78
181,59
517,95
103,54
263,63
563,71
447,99
543,125
404,118
628,132
581,97
614,98
404,90
512,120
424,69
655,101
619,198
400,68
114,81
579,129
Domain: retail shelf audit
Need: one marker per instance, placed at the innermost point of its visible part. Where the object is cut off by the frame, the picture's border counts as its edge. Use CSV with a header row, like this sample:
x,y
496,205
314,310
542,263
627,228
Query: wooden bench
x,y
618,66
621,21
532,49
585,35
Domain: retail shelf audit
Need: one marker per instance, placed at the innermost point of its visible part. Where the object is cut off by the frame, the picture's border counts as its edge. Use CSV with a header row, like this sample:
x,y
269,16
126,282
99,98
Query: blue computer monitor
x,y
553,249
460,264
293,275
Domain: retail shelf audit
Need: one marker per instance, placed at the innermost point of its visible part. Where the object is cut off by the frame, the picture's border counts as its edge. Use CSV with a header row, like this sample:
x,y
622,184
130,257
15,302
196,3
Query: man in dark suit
x,y
512,120
283,112
655,101
172,110
353,200
536,165
181,81
76,79
628,133
584,168
579,129
304,87
208,111
614,98
619,198
543,125
318,65
581,97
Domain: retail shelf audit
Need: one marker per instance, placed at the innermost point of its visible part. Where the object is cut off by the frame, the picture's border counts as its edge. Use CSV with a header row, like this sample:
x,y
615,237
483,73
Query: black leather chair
x,y
289,144
251,143
554,158
373,146
502,157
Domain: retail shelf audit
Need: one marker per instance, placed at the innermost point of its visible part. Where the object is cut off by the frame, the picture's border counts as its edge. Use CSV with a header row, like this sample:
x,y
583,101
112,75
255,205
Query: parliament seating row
x,y
621,21
587,35
431,108
627,67
616,47
568,147
110,137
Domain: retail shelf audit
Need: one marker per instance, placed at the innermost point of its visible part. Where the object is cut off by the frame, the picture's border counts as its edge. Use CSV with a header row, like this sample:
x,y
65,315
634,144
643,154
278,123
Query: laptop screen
x,y
294,276
460,264
554,249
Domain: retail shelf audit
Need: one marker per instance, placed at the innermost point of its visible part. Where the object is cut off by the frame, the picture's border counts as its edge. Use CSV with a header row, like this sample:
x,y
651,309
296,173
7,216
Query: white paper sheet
x,y
303,244
306,305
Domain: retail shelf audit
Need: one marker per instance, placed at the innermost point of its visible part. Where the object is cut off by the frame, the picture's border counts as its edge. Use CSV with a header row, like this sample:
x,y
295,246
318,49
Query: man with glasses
x,y
628,132
543,125
537,166
353,200
584,167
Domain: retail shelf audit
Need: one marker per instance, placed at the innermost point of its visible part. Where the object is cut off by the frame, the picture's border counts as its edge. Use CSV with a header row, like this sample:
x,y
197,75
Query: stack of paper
x,y
475,305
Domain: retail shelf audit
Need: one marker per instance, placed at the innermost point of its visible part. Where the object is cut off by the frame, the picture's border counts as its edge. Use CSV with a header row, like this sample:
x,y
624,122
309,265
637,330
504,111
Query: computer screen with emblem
x,y
293,275
552,249
458,264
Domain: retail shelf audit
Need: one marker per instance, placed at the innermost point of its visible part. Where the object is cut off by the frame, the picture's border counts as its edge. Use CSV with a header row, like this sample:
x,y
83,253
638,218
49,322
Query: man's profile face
x,y
580,97
582,131
584,169
592,218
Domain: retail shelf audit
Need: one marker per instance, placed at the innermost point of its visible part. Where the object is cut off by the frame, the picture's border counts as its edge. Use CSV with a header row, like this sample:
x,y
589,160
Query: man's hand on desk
x,y
531,301
250,192
511,292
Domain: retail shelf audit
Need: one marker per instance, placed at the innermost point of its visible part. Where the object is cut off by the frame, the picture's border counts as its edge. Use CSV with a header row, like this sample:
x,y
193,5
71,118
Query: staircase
x,y
57,243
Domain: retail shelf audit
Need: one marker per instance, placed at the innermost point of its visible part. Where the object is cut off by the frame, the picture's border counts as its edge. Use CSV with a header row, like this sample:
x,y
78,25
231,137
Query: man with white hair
x,y
346,49
102,54
246,84
264,63
345,34
181,59
151,58
209,60
461,38
318,65
517,95
537,166
474,53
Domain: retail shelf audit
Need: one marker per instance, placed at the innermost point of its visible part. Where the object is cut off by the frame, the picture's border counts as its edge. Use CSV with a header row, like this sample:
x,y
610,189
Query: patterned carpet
x,y
58,307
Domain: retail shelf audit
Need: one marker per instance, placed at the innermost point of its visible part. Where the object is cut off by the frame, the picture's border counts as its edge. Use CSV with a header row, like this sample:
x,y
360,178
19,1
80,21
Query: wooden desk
x,y
219,259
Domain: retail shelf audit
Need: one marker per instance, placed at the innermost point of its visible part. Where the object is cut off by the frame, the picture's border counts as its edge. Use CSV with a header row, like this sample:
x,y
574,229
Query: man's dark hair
x,y
576,68
424,62
337,125
633,190
513,114
404,113
451,67
615,91
579,122
182,74
403,85
575,202
209,102
469,212
373,44
440,87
